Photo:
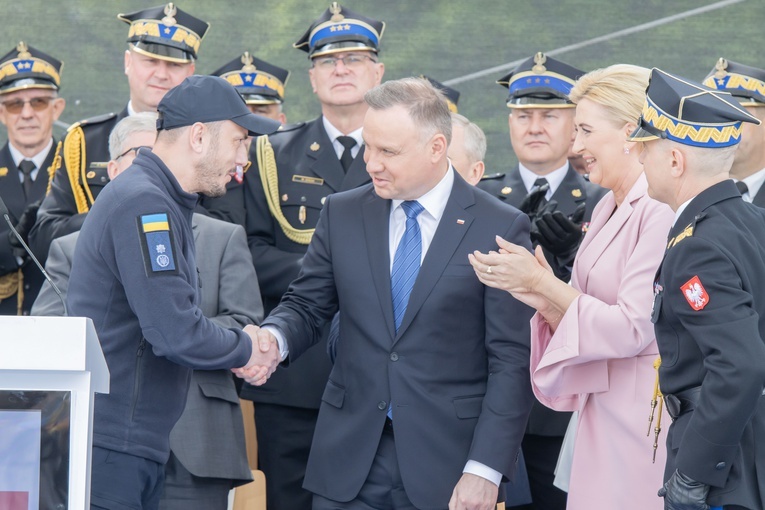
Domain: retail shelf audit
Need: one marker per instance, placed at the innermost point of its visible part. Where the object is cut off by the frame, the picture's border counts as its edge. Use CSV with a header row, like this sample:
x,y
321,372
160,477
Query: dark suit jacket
x,y
713,338
301,150
12,192
457,370
759,198
208,439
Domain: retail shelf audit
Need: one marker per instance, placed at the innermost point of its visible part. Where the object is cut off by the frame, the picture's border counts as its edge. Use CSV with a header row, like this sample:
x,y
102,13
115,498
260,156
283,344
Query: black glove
x,y
683,493
558,234
535,197
25,224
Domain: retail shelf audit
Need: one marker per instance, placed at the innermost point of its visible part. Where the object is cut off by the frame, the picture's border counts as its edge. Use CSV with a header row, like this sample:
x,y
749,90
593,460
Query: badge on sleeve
x,y
695,293
157,242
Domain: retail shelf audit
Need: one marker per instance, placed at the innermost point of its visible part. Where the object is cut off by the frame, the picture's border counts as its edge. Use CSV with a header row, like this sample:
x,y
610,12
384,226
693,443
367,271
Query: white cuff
x,y
476,468
284,350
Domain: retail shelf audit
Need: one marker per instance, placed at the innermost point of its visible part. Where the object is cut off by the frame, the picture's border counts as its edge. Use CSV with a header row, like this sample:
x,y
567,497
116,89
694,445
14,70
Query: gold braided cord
x,y
54,166
20,295
656,401
74,150
682,131
270,179
9,285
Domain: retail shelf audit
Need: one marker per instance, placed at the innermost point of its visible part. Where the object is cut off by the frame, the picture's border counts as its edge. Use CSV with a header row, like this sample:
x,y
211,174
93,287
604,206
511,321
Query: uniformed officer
x,y
709,308
541,123
163,43
29,105
260,83
292,172
747,84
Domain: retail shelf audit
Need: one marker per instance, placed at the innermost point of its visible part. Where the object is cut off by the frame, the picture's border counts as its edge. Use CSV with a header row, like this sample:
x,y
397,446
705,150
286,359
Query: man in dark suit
x,y
709,308
429,394
29,105
292,173
153,65
207,446
747,84
546,187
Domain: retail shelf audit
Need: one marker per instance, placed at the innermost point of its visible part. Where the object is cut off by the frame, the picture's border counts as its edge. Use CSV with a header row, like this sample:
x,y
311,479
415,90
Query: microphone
x,y
4,212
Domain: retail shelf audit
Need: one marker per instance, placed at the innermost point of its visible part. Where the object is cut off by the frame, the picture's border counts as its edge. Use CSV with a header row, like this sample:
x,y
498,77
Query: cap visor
x,y
641,135
256,124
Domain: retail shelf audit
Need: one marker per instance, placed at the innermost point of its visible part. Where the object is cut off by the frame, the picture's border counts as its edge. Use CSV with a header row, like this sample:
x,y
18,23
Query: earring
x,y
626,150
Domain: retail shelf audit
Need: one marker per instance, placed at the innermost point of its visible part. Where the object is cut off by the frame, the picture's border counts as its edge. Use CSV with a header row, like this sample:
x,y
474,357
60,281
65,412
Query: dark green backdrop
x,y
445,39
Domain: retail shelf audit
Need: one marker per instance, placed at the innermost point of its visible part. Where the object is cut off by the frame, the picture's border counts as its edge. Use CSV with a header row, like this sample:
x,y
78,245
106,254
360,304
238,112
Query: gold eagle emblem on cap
x,y
721,68
170,12
539,63
23,50
335,9
247,65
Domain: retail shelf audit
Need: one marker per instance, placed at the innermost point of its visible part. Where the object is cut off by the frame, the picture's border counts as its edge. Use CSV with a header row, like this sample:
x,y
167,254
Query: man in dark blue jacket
x,y
135,275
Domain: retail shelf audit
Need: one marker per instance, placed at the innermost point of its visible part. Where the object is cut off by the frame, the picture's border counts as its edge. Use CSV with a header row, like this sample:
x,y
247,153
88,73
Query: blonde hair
x,y
620,89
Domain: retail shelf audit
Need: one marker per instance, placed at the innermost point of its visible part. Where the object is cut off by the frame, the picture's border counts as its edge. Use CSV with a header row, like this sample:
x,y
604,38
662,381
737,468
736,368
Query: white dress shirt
x,y
333,133
38,159
554,178
753,183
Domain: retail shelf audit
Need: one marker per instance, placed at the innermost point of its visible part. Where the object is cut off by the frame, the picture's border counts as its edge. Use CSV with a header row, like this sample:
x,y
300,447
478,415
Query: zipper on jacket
x,y
137,381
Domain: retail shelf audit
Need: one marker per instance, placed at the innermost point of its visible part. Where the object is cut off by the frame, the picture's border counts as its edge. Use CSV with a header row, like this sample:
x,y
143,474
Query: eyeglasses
x,y
132,149
349,61
38,104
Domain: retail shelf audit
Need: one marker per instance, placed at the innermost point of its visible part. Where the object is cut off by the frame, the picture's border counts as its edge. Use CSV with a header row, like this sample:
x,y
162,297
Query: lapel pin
x,y
506,190
314,146
460,222
576,193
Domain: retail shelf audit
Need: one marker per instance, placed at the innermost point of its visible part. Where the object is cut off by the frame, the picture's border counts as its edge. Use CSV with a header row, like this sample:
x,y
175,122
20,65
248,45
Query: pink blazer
x,y
600,359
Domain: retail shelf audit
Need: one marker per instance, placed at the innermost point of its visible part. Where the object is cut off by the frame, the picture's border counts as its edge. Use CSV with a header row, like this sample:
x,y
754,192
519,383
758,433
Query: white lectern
x,y
49,369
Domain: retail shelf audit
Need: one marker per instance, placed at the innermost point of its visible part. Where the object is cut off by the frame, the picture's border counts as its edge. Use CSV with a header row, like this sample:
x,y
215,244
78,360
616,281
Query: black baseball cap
x,y
209,99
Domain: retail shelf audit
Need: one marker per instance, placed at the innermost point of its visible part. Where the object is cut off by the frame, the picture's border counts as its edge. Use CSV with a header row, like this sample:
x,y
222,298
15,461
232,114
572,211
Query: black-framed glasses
x,y
352,61
132,149
38,104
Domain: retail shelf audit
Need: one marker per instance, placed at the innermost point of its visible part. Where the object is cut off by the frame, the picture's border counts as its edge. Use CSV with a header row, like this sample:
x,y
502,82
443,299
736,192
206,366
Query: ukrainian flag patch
x,y
157,242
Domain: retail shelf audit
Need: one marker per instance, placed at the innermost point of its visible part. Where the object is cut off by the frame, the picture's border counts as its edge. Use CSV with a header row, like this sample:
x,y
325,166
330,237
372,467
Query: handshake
x,y
264,359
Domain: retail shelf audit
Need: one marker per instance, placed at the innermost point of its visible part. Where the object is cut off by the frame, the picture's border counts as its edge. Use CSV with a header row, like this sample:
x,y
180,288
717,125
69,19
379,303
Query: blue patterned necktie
x,y
406,261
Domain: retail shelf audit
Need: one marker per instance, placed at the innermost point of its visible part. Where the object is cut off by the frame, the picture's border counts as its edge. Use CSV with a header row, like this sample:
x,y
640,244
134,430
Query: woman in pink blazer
x,y
592,342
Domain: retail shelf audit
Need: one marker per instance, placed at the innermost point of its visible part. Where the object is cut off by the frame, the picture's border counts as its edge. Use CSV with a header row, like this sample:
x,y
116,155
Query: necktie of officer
x,y
742,187
406,265
27,167
347,158
538,184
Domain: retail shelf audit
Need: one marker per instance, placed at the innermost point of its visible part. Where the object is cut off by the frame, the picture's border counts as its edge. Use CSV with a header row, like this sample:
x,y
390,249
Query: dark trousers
x,y
284,441
120,481
541,455
185,491
383,488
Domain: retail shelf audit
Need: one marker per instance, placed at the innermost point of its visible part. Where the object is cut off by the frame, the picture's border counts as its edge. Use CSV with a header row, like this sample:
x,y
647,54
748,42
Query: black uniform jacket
x,y
77,182
12,192
709,315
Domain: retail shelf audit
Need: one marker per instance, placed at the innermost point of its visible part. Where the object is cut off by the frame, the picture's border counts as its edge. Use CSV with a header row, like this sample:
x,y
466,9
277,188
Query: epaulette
x,y
93,120
291,127
687,231
488,177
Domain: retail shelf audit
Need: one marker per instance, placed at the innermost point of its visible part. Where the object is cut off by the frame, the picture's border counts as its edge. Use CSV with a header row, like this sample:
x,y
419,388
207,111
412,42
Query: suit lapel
x,y
517,188
41,181
376,214
325,163
447,238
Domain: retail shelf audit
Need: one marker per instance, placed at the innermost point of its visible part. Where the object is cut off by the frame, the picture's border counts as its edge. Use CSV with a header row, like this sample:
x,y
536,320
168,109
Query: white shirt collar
x,y
754,183
554,178
38,159
434,201
333,133
681,209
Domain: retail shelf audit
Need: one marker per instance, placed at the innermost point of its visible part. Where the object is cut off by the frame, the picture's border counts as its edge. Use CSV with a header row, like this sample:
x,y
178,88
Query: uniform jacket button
x,y
720,466
394,356
382,405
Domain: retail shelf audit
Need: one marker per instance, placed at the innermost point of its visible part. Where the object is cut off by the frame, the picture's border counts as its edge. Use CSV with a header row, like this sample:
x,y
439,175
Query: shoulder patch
x,y
695,293
93,120
488,177
157,244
